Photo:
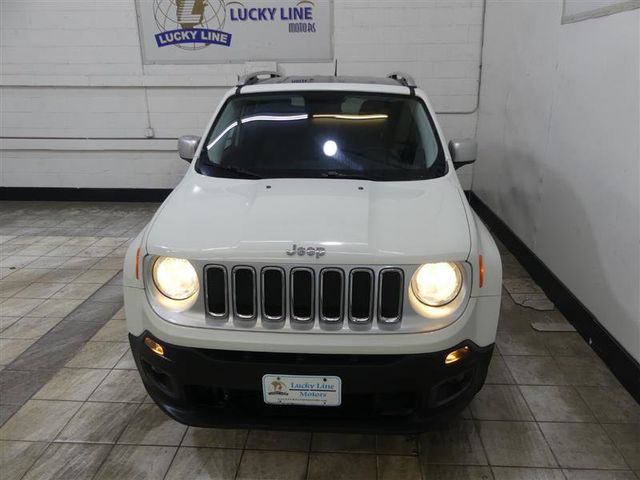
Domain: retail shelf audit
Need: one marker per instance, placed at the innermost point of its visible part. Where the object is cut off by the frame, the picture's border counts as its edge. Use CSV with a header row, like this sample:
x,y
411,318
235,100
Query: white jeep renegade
x,y
318,267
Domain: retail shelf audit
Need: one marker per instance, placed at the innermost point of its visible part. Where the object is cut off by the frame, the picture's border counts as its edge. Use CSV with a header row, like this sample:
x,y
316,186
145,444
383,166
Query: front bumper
x,y
380,393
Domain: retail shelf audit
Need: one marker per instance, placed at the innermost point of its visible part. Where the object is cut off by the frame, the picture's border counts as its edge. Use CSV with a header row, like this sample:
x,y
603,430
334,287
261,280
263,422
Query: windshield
x,y
323,134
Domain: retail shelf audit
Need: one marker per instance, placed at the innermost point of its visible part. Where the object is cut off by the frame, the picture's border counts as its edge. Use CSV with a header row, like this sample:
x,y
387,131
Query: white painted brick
x,y
94,44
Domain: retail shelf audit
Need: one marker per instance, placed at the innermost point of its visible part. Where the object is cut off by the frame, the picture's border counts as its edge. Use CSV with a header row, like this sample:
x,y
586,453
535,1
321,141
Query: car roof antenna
x,y
335,72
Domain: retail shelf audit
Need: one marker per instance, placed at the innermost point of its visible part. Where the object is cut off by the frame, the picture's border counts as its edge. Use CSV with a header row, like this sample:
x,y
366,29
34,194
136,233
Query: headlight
x,y
437,284
175,278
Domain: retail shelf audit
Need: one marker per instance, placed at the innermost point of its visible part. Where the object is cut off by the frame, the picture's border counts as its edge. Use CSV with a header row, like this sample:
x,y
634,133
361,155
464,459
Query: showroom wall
x,y
559,152
78,105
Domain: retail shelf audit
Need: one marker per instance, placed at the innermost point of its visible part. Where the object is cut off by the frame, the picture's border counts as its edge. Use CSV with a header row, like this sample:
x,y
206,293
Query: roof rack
x,y
254,77
403,79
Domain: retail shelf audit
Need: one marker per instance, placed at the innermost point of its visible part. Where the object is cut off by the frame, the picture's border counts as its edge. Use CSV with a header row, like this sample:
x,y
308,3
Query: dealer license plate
x,y
302,390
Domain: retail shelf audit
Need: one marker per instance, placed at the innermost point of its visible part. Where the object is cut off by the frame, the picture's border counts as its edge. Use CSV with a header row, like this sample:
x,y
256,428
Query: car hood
x,y
356,222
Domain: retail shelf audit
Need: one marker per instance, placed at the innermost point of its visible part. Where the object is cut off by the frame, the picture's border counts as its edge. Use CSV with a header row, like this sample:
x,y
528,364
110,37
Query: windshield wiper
x,y
240,171
355,176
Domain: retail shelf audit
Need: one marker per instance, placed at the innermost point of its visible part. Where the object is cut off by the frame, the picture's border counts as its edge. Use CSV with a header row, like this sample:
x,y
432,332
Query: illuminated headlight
x,y
175,278
437,284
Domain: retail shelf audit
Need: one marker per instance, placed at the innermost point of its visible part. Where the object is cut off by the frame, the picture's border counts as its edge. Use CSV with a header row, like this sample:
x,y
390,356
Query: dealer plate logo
x,y
191,24
319,391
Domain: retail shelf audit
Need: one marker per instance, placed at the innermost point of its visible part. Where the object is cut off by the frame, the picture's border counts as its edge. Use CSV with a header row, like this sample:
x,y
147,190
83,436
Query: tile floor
x,y
72,405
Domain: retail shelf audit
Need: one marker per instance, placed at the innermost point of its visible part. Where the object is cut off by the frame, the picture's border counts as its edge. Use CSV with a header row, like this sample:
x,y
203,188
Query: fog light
x,y
156,347
457,355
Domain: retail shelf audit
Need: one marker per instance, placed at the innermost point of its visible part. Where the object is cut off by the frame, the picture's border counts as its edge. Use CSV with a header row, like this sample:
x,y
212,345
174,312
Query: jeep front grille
x,y
304,298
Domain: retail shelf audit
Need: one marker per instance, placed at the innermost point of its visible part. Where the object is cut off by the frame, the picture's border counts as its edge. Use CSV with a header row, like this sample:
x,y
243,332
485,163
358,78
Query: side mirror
x,y
463,152
187,146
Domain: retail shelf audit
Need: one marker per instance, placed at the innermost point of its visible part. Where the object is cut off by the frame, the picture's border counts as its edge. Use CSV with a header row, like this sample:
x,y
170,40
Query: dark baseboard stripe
x,y
623,365
84,194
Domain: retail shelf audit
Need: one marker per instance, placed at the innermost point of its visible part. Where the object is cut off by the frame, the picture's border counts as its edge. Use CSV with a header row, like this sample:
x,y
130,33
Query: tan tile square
x,y
38,420
343,442
126,362
66,251
556,404
39,290
204,463
77,291
119,315
96,251
48,263
521,343
329,466
30,328
451,472
392,467
24,275
54,307
500,402
72,384
11,348
397,444
120,386
17,457
98,423
577,474
626,438
272,465
139,462
51,240
278,440
68,461
519,473
35,250
215,437
17,261
611,404
18,307
528,370
110,241
498,373
81,241
589,371
151,426
79,263
98,355
112,331
109,263
96,276
9,288
60,275
582,445
6,322
456,443
517,444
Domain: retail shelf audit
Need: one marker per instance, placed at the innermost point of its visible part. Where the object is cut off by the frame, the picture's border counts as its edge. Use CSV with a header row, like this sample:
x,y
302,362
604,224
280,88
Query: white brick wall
x,y
71,69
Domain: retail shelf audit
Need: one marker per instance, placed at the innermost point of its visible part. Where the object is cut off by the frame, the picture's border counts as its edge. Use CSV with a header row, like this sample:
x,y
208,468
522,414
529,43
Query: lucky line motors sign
x,y
218,31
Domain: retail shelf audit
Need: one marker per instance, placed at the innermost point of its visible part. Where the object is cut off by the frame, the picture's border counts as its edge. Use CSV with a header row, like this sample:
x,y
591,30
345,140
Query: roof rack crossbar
x,y
254,77
403,79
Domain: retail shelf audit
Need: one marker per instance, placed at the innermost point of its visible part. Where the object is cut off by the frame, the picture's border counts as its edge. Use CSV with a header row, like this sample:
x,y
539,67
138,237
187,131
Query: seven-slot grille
x,y
330,297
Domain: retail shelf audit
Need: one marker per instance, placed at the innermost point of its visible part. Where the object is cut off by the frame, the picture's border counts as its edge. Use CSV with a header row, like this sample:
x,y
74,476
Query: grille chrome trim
x,y
323,318
283,300
225,314
355,297
352,317
234,296
395,319
311,317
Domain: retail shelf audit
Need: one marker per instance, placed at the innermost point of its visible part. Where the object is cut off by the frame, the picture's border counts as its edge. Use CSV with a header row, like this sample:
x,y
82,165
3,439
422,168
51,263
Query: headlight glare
x,y
175,278
437,284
